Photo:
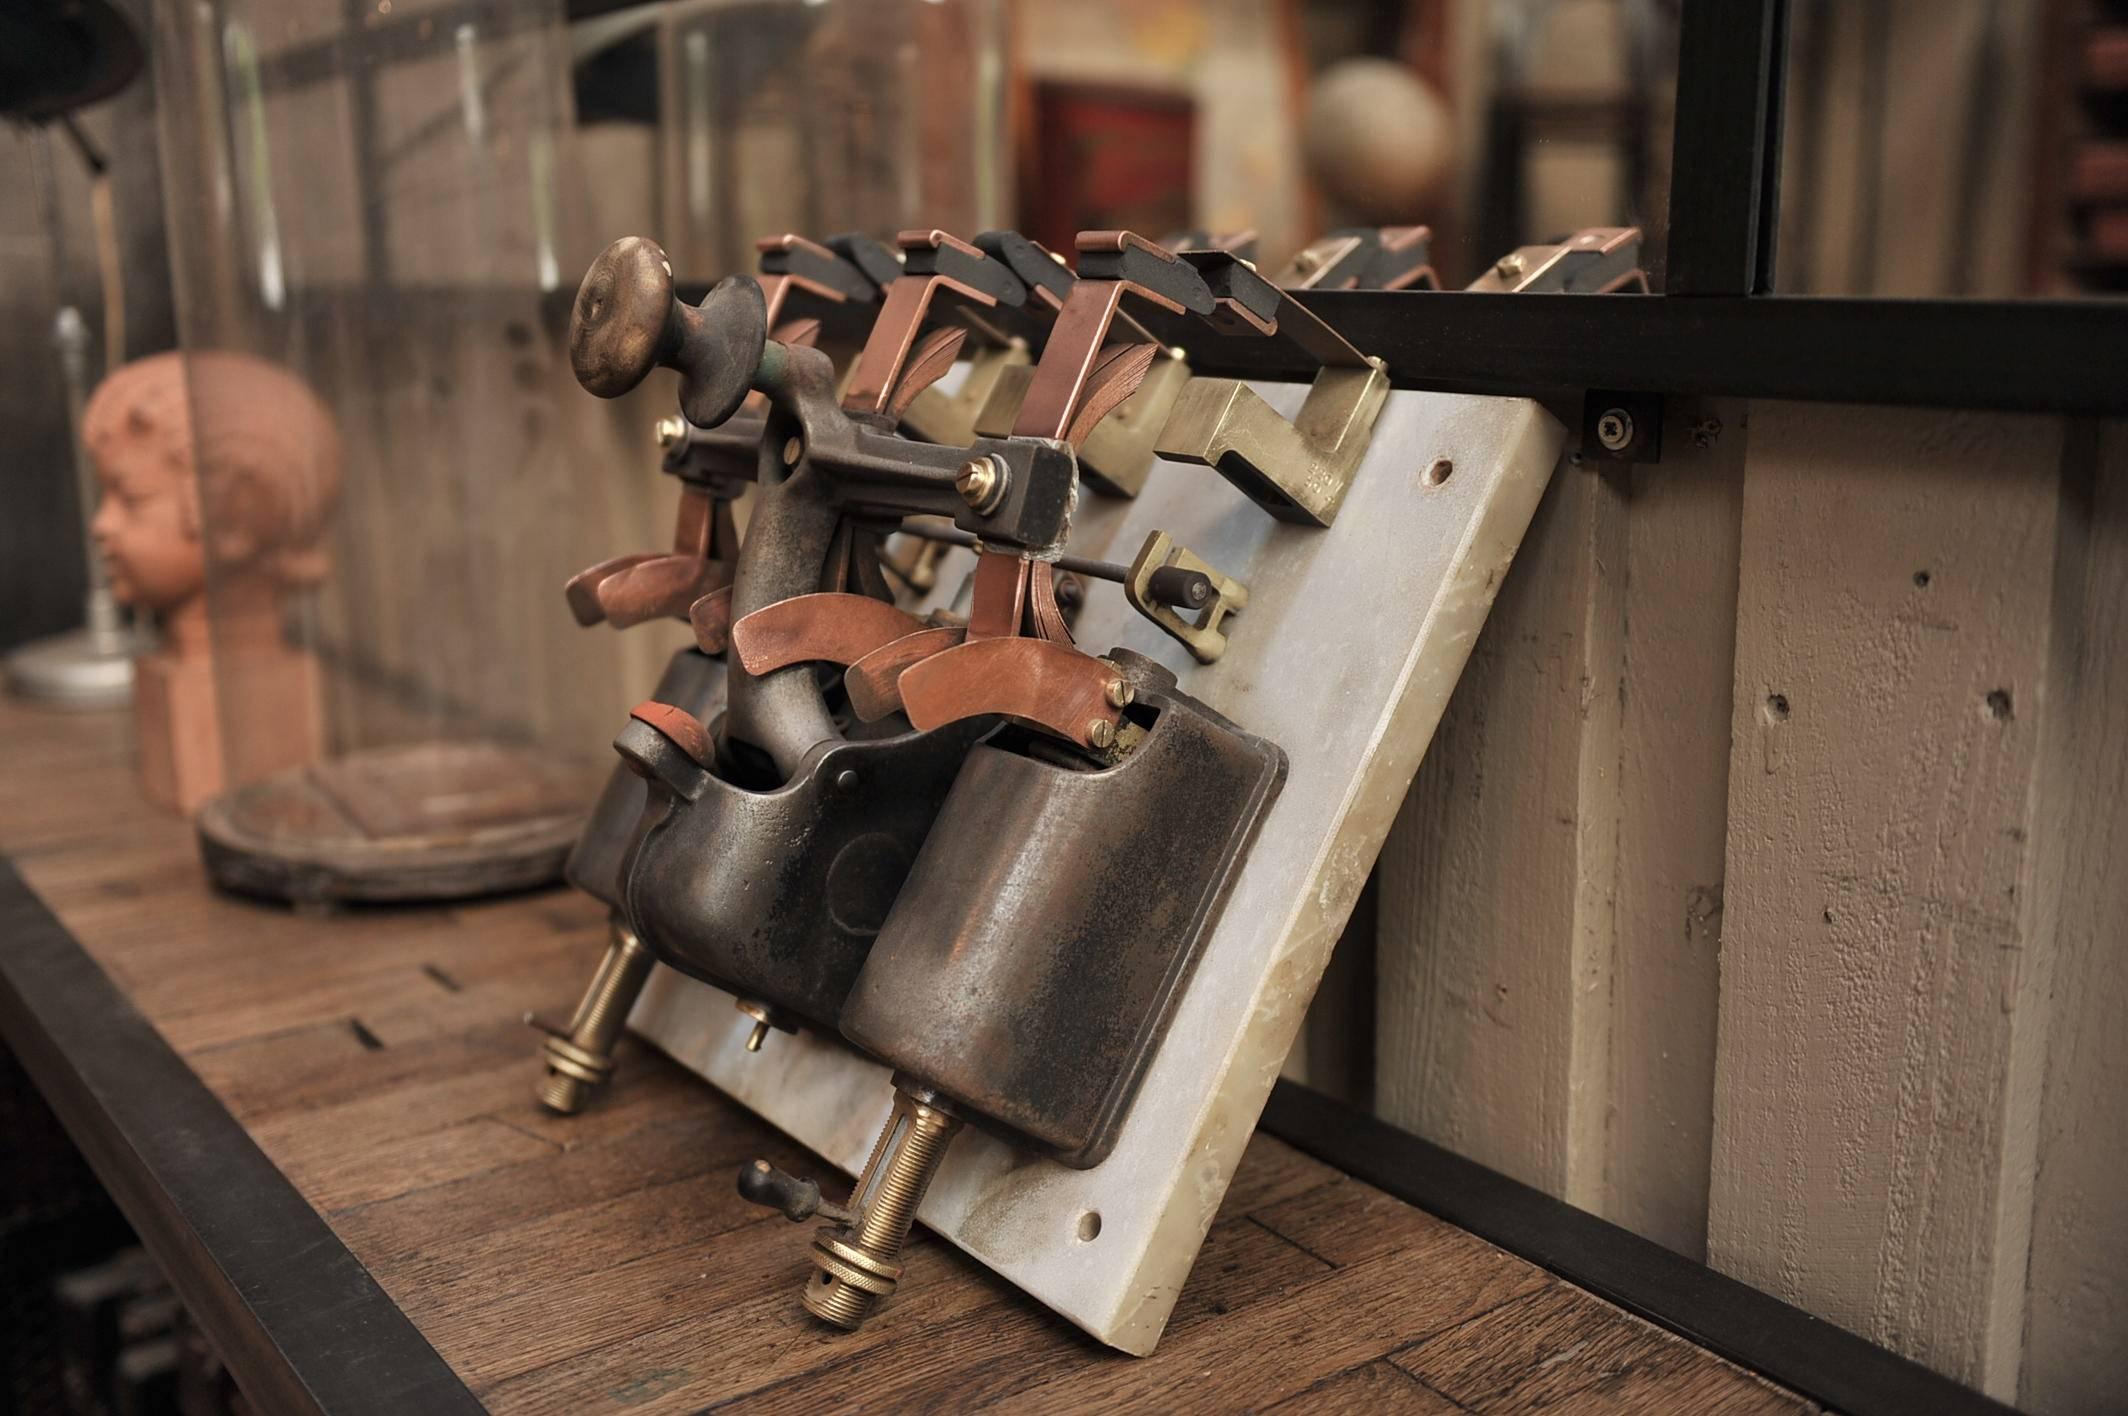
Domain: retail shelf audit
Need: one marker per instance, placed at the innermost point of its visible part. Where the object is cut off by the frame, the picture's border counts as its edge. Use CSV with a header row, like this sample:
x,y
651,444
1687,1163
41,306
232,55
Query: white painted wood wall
x,y
1766,887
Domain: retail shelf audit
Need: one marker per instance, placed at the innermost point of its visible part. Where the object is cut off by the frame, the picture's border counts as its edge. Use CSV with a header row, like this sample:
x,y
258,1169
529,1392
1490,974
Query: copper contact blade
x,y
874,682
581,589
826,628
659,587
1047,685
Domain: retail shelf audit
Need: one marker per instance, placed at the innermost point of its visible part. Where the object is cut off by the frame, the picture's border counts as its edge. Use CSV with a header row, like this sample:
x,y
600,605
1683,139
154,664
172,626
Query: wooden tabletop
x,y
605,1263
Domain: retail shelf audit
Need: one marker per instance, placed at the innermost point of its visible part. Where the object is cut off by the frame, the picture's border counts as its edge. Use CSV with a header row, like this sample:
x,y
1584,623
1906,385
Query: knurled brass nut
x,y
982,483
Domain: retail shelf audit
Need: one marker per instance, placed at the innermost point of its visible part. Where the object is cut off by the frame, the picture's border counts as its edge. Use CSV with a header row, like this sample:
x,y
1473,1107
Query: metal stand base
x,y
86,670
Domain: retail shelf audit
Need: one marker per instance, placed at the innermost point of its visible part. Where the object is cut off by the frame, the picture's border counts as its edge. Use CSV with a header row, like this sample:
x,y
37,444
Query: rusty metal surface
x,y
693,683
1051,686
1033,961
824,628
777,895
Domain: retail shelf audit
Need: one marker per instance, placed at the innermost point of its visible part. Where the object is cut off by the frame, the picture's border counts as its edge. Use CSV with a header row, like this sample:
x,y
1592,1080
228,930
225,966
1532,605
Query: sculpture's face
x,y
146,527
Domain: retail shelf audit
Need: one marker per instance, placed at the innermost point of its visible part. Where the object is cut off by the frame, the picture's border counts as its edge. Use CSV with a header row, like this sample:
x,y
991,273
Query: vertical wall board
x,y
1891,664
2076,1326
1496,920
1682,529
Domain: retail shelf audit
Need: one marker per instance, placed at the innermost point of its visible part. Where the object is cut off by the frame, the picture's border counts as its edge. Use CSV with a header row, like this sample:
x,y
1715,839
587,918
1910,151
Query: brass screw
x,y
981,483
1101,733
792,451
764,1018
671,432
1119,693
580,1061
858,1264
1509,266
1307,260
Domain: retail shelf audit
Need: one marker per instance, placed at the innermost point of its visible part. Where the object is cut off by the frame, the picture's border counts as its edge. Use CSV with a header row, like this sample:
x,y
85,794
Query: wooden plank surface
x,y
2075,1359
1885,957
1552,894
1492,1018
604,1263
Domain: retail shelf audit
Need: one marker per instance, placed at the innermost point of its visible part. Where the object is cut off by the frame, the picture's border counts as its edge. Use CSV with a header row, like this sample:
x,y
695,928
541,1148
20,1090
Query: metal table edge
x,y
303,1326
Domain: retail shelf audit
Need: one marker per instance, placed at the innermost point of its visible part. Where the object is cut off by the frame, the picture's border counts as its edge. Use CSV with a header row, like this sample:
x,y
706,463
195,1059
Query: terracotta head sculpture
x,y
254,502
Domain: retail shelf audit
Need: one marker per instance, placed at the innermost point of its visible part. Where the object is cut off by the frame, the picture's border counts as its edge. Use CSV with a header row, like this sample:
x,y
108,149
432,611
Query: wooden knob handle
x,y
625,321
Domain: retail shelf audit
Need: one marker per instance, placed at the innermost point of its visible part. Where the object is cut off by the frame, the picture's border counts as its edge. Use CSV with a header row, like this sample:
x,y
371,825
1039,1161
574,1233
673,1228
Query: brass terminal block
x,y
1184,595
856,1260
580,1059
1297,471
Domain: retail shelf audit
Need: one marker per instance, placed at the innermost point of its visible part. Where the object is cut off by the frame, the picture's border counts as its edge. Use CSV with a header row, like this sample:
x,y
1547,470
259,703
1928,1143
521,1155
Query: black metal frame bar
x,y
301,1323
1725,161
1786,1345
1720,330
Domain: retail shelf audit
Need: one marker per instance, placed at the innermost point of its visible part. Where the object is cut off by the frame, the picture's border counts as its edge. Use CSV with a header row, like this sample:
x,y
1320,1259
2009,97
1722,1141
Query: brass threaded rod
x,y
856,1266
581,1062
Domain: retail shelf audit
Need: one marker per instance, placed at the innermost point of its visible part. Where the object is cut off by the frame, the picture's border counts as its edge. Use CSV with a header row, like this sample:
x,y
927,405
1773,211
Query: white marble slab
x,y
1352,641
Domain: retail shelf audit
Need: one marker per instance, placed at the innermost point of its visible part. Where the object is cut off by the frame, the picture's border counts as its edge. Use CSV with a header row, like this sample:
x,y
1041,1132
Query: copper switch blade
x,y
581,589
827,628
874,682
659,587
1051,686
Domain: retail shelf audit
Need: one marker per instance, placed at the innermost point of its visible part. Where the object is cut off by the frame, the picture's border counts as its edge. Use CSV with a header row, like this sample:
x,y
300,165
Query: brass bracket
x,y
1594,261
1363,258
1297,471
1202,635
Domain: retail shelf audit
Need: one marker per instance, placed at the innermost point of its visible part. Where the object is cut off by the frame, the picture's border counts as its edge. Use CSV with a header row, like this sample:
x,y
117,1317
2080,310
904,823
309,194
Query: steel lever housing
x,y
1030,966
777,895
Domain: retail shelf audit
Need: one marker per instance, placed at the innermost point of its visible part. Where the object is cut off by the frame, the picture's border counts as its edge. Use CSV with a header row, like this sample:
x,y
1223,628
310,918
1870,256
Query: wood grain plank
x,y
1377,1386
2075,1359
1558,1349
1683,528
1880,965
605,1262
1492,1016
